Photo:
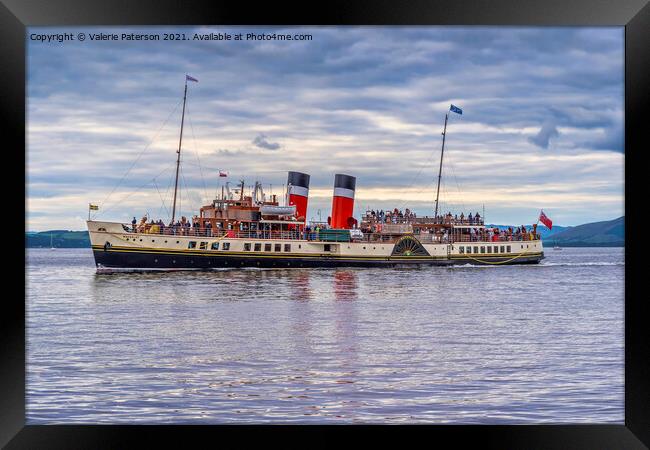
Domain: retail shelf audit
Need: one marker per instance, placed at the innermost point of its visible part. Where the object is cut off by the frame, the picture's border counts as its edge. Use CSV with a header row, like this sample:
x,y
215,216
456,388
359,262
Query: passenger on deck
x,y
133,222
471,219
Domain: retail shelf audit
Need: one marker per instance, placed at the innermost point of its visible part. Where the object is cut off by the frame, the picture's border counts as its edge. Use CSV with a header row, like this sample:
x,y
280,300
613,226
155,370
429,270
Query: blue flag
x,y
187,77
456,109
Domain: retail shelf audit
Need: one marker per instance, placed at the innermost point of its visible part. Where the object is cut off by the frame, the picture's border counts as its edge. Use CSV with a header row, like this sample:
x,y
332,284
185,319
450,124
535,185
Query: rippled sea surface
x,y
490,345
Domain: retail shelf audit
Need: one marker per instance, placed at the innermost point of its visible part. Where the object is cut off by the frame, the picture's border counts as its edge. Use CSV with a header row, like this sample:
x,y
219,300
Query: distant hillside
x,y
597,234
60,239
610,233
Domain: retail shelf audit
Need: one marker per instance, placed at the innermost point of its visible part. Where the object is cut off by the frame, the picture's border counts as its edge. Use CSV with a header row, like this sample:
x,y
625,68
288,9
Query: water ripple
x,y
521,344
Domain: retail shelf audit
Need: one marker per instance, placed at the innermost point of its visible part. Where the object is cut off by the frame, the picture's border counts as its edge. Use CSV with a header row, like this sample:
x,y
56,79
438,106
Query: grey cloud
x,y
260,141
542,139
396,78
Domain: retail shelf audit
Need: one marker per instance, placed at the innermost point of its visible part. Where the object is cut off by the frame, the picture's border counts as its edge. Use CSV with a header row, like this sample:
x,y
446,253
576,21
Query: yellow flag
x,y
93,207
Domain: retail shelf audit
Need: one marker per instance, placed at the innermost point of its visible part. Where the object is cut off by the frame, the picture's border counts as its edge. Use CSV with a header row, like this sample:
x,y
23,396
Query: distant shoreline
x,y
609,233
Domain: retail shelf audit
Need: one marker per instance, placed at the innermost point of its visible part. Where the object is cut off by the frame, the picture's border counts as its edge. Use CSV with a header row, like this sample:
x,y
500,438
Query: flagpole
x,y
178,159
444,134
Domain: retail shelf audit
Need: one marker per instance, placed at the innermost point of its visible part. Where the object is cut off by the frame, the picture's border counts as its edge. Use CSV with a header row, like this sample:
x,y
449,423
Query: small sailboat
x,y
556,247
51,241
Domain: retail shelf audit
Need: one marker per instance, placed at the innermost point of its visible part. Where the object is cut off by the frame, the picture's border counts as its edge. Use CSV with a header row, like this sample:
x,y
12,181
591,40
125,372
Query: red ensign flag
x,y
545,220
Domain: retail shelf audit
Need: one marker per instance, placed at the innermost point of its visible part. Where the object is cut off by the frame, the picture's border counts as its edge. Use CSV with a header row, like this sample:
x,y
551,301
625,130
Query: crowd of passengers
x,y
495,234
183,227
408,216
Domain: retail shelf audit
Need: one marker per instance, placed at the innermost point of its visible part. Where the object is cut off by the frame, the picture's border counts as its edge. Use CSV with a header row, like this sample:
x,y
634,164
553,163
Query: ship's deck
x,y
425,238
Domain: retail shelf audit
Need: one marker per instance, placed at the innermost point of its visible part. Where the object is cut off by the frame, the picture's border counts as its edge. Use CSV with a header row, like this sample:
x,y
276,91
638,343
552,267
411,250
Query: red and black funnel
x,y
298,184
343,201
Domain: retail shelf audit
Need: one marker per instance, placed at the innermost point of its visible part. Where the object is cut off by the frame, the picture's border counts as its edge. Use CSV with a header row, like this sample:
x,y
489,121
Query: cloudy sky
x,y
542,123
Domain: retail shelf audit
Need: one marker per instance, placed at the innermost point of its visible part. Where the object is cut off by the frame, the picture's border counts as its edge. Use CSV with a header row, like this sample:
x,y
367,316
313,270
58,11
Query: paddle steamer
x,y
239,230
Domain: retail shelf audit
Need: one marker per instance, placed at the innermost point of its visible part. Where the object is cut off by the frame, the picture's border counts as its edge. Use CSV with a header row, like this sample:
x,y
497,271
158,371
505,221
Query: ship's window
x,y
496,249
489,249
153,240
258,247
482,249
226,246
215,246
278,248
503,249
299,246
461,249
287,247
267,247
178,242
247,247
192,244
203,245
326,247
475,250
508,248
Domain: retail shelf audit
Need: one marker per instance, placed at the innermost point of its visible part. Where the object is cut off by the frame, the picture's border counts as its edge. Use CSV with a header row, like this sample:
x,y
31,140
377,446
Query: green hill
x,y
609,233
597,234
60,239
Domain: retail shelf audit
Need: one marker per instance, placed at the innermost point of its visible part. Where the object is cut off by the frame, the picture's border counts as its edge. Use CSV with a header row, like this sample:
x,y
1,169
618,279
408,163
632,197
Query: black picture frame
x,y
634,15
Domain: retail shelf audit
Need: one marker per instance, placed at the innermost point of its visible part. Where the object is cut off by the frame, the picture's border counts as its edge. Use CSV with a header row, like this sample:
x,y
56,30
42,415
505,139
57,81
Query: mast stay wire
x,y
161,199
426,164
196,152
169,186
136,160
190,203
139,189
460,195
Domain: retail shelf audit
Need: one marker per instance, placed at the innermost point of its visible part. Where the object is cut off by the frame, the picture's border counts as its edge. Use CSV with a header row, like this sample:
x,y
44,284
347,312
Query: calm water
x,y
529,344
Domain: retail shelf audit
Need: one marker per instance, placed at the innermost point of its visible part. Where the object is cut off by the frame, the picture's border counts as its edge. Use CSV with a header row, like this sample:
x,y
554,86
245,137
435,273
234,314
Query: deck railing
x,y
425,238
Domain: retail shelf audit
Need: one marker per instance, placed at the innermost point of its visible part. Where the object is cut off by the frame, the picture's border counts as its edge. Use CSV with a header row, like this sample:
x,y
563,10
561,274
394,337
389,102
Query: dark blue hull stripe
x,y
154,260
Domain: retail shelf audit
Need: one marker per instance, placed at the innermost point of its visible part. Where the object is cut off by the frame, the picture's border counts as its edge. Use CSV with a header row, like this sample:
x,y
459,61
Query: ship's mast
x,y
444,133
178,159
